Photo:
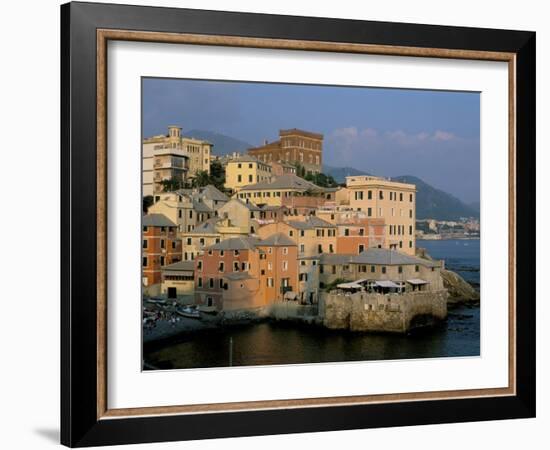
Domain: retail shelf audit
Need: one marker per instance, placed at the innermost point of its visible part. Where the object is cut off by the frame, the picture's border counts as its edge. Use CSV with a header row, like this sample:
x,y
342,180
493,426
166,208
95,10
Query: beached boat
x,y
188,311
157,300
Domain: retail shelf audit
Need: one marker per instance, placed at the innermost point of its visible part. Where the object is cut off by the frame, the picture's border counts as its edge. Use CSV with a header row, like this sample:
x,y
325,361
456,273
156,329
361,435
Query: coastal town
x,y
270,243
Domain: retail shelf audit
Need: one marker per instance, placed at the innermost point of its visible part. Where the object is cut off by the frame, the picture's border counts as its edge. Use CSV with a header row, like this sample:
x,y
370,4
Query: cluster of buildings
x,y
275,237
432,229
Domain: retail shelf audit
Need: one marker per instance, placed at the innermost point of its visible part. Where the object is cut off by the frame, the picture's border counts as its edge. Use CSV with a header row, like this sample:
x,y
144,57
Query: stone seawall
x,y
393,313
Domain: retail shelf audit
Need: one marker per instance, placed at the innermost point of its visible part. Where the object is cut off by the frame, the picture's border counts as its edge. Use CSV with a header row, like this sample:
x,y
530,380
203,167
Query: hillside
x,y
432,203
223,145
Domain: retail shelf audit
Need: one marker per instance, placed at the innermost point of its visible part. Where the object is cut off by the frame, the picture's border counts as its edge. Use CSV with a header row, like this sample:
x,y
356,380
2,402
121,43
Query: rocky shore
x,y
460,291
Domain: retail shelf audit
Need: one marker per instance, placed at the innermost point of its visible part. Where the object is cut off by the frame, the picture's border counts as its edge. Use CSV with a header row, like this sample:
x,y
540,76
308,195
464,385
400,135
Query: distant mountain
x,y
340,173
432,203
475,206
223,145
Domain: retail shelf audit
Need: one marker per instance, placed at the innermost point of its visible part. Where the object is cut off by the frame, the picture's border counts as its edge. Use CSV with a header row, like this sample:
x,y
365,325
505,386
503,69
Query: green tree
x,y
217,175
147,201
201,179
172,184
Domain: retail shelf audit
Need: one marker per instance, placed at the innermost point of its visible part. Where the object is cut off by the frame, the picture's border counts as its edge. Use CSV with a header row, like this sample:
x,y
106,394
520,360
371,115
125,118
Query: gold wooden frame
x,y
104,35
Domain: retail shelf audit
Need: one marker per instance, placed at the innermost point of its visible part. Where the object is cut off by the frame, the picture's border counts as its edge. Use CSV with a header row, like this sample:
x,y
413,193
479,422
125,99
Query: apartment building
x,y
391,201
172,155
287,190
161,246
382,269
244,170
245,272
293,146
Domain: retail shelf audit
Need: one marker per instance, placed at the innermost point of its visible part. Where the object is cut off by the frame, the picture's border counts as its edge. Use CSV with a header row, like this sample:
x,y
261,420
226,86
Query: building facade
x,y
245,170
293,146
391,201
161,246
172,155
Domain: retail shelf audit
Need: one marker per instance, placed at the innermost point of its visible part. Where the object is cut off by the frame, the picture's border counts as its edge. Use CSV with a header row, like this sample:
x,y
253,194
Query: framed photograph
x,y
277,224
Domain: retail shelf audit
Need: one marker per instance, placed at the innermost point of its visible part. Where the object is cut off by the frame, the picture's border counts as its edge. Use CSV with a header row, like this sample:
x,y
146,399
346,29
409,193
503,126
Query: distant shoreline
x,y
439,237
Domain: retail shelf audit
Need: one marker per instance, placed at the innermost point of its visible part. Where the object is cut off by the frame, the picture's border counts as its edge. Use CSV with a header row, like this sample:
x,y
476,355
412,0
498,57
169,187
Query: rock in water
x,y
460,291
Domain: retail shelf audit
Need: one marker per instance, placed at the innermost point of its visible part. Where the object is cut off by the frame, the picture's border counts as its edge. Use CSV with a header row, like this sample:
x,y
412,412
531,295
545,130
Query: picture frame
x,y
86,418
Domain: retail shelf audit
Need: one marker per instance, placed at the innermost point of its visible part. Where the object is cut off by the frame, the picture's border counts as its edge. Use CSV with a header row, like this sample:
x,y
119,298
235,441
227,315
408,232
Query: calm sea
x,y
276,343
460,255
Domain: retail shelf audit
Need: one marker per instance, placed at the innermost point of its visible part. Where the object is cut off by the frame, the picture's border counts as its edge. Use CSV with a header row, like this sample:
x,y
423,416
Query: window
x,y
331,248
285,250
144,261
209,301
239,178
236,252
410,230
189,240
383,269
221,266
410,213
145,229
173,245
400,244
291,233
201,241
250,166
369,211
269,250
235,266
410,244
144,243
162,243
180,213
269,266
250,178
361,231
410,197
416,268
239,166
199,264
243,266
358,195
346,232
319,248
302,248
285,265
369,195
190,213
333,270
361,248
400,269
381,195
162,260
302,233
211,282
270,282
199,282
372,269
401,196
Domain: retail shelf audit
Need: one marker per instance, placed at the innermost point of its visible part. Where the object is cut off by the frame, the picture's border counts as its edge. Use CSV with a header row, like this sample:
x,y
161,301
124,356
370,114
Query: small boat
x,y
157,300
190,312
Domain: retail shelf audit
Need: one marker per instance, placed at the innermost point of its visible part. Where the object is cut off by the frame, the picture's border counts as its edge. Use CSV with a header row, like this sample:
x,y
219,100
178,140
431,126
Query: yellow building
x,y
245,170
384,199
193,155
286,190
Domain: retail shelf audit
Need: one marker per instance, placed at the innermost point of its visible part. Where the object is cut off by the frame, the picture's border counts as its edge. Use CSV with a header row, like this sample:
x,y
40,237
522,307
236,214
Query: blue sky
x,y
433,135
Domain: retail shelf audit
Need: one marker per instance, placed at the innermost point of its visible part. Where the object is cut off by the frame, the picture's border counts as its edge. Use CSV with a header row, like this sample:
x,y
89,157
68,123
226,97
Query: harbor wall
x,y
394,313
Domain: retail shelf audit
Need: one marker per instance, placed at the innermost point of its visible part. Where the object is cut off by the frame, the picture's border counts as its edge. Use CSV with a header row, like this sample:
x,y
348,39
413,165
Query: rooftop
x,y
377,256
181,265
236,243
157,220
287,181
277,240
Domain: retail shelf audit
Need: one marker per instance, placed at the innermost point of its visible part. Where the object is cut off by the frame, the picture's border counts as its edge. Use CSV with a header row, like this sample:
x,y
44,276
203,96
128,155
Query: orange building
x,y
160,247
355,236
245,272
